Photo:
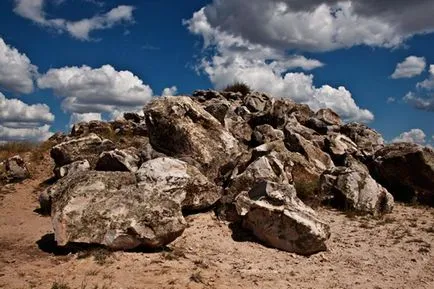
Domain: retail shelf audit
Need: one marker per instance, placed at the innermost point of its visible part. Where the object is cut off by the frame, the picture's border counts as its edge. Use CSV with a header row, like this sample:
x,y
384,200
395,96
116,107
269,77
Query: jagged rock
x,y
133,117
294,126
203,95
318,125
257,101
328,116
277,217
313,154
218,107
84,148
339,146
119,160
97,127
72,168
407,171
105,208
127,128
174,177
266,133
367,140
180,127
14,169
147,152
267,167
350,189
237,126
58,137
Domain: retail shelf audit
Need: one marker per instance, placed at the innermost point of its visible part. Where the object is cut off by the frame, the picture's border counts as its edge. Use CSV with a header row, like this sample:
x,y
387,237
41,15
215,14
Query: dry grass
x,y
241,87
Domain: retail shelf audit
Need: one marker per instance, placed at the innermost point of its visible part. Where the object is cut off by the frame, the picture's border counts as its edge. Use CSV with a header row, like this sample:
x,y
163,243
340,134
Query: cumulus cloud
x,y
229,58
415,135
16,70
20,121
81,29
96,90
168,91
410,67
391,99
423,97
318,25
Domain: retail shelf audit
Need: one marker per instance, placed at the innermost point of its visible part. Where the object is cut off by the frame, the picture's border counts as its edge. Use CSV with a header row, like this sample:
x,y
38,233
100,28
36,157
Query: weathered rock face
x,y
14,169
106,208
94,126
179,127
407,171
276,216
72,168
119,160
178,179
339,147
266,133
328,116
354,190
367,140
88,147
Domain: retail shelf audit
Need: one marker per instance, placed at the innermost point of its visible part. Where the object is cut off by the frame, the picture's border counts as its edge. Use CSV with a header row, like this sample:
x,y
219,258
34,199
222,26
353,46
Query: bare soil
x,y
395,251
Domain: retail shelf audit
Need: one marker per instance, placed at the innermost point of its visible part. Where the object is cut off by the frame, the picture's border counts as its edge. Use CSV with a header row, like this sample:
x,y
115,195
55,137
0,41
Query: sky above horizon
x,y
65,61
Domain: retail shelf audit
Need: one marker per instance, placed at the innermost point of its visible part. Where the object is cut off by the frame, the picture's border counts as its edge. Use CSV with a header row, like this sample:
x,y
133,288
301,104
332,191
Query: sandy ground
x,y
393,252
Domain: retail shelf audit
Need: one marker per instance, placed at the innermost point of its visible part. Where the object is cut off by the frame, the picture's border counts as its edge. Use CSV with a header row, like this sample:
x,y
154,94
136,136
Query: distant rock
x,y
14,169
367,140
277,217
407,171
328,116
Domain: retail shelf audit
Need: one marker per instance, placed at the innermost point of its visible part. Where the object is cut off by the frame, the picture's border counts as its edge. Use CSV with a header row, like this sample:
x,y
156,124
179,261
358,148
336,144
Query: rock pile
x,y
13,169
255,159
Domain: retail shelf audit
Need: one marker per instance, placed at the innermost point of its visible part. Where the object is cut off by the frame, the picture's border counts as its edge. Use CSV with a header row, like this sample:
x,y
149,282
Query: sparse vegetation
x,y
241,87
197,277
60,285
100,255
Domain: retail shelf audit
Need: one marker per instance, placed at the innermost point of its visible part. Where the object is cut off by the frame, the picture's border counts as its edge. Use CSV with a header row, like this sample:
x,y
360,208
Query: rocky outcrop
x,y
72,168
119,160
107,208
179,127
355,190
266,133
13,169
367,140
277,217
97,127
84,148
407,171
328,116
177,179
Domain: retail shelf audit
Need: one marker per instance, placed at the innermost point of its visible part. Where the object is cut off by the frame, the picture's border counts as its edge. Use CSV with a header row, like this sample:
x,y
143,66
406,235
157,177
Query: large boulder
x,y
277,217
355,190
119,160
174,177
367,140
107,208
407,171
84,148
179,127
14,169
266,133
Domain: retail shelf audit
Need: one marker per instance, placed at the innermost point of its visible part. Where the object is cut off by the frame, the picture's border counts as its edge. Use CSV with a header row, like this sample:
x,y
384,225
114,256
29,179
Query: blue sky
x,y
71,60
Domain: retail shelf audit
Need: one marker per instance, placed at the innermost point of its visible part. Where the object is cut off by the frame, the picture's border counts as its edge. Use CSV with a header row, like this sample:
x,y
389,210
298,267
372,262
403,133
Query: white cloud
x,y
36,134
391,100
410,67
81,29
16,70
83,117
423,97
88,90
320,27
415,135
20,121
168,91
264,68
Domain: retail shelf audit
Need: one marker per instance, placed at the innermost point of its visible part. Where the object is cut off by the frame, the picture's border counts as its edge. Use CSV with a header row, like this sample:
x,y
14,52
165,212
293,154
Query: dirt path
x,y
394,252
